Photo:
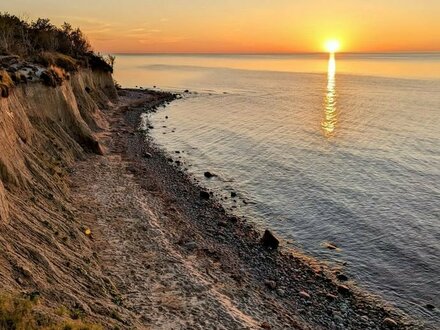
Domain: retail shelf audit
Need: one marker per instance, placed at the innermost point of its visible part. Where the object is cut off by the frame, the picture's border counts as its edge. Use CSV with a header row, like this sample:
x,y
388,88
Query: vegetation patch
x,y
5,83
65,62
54,76
20,314
42,42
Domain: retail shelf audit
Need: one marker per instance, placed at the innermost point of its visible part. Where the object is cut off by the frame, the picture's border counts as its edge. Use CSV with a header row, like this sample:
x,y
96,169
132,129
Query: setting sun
x,y
332,46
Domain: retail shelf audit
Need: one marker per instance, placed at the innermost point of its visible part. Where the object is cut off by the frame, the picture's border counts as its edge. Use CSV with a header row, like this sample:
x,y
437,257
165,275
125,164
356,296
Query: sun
x,y
332,46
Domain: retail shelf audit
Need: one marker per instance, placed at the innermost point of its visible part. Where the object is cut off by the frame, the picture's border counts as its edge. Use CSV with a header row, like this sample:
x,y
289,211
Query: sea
x,y
325,150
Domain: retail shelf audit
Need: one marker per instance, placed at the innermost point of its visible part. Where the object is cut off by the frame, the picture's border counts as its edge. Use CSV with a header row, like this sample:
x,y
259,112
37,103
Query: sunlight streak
x,y
330,111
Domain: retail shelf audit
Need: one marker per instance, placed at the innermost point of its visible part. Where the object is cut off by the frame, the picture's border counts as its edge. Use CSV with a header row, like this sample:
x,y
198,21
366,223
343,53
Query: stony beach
x,y
178,260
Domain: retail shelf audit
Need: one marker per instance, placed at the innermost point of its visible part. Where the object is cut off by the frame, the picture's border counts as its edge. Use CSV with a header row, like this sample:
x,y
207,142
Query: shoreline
x,y
220,261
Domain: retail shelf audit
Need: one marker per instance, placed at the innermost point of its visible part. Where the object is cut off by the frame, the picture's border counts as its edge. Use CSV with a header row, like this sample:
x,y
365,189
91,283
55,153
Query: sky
x,y
244,26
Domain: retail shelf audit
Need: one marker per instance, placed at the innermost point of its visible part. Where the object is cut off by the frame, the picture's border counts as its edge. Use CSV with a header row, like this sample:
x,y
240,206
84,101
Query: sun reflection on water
x,y
330,119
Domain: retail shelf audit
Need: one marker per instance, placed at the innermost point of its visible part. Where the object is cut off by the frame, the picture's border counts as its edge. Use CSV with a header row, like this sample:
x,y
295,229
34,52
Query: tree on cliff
x,y
41,41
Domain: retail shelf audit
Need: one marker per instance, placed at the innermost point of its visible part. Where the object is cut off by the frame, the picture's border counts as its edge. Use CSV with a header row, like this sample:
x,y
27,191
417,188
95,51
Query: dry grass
x,y
65,62
19,314
54,76
5,78
16,313
6,83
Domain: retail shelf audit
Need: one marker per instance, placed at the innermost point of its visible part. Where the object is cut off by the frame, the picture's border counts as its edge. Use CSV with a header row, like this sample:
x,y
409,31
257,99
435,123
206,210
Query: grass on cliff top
x,y
40,40
18,313
66,62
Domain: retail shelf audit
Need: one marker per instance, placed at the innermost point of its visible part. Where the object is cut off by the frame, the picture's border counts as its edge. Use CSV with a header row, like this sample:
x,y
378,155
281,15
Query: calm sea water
x,y
343,150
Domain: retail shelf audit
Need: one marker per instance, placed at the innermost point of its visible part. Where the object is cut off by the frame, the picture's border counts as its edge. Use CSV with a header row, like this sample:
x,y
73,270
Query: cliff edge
x,y
44,128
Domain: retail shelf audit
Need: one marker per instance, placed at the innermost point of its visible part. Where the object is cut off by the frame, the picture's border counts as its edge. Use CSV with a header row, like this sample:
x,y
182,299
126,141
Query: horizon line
x,y
276,53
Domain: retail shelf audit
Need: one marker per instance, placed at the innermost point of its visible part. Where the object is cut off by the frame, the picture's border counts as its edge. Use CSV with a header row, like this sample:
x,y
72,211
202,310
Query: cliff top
x,y
41,42
33,51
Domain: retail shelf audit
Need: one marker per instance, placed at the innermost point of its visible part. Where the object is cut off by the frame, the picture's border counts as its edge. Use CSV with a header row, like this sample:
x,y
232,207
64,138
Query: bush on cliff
x,y
42,42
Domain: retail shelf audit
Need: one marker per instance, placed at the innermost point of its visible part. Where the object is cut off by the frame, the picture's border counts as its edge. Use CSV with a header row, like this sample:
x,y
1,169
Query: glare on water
x,y
330,111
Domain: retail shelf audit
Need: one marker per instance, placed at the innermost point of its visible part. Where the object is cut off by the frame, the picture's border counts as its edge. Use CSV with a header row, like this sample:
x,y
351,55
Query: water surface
x,y
345,150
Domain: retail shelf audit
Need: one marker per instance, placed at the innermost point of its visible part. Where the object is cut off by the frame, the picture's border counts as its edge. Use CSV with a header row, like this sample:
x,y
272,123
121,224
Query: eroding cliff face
x,y
4,209
43,130
37,121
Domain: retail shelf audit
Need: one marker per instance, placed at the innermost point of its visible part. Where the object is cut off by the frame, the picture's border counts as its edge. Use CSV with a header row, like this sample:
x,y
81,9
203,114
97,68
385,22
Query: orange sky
x,y
245,26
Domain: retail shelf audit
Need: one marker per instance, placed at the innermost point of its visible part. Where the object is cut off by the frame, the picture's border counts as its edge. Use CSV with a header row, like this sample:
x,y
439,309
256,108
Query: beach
x,y
178,260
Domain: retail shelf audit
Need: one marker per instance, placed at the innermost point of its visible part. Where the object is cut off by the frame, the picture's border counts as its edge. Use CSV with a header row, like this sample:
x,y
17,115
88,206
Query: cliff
x,y
44,249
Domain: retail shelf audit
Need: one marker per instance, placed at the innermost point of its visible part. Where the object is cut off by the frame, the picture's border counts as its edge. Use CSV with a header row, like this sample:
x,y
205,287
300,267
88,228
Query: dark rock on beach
x,y
342,277
209,175
204,195
344,290
430,307
389,323
269,240
270,284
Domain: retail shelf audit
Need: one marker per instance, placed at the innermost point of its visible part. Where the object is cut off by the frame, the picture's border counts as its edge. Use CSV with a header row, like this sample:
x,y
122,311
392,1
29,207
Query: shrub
x,y
19,314
98,63
15,313
42,40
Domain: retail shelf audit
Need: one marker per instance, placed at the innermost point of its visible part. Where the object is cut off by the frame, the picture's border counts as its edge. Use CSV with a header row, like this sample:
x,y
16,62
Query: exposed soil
x,y
179,261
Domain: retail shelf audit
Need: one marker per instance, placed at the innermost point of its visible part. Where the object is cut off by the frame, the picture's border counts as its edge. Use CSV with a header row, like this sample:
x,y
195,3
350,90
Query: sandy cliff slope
x,y
43,131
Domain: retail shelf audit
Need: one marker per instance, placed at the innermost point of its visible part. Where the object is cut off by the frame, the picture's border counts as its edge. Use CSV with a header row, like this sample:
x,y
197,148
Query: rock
x,y
9,60
269,240
266,326
389,322
281,292
222,224
331,296
430,307
190,245
147,155
331,246
338,317
233,219
304,295
342,277
344,290
209,175
233,194
270,284
204,195
166,117
186,91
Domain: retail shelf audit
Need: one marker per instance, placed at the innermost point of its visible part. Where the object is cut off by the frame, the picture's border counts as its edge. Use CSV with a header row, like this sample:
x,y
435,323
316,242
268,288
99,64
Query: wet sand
x,y
179,261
